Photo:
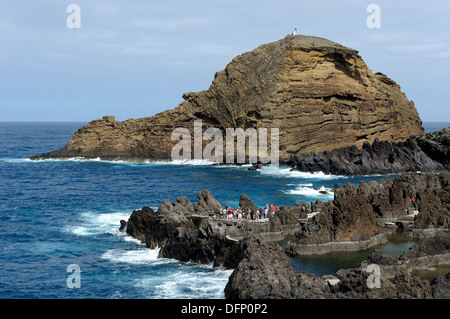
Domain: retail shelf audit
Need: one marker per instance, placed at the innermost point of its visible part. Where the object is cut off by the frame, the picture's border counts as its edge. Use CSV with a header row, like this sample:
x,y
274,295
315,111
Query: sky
x,y
133,59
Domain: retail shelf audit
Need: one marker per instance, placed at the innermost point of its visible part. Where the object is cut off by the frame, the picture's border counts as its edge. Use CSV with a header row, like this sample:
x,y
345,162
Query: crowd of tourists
x,y
251,214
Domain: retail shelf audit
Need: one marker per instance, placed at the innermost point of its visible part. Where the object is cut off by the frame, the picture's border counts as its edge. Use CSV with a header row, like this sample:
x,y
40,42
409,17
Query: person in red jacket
x,y
413,203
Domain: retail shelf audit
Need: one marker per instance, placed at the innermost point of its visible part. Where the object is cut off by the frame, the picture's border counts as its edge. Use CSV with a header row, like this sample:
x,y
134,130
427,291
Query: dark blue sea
x,y
59,213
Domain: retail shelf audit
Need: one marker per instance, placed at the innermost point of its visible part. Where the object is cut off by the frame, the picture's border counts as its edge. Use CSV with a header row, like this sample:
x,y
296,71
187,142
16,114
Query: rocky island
x,y
319,94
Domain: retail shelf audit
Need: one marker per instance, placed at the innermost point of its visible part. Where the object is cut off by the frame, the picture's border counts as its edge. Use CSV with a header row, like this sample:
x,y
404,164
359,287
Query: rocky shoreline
x,y
429,152
187,232
354,219
295,249
265,273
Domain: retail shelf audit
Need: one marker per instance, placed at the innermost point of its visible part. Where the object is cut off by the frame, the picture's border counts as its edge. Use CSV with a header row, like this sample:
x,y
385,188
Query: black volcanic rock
x,y
382,157
255,167
186,231
264,272
432,193
436,145
274,278
349,217
380,257
390,197
246,203
206,204
440,287
439,244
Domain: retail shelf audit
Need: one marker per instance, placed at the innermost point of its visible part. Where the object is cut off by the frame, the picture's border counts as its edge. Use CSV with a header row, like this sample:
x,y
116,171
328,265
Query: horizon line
x,y
87,121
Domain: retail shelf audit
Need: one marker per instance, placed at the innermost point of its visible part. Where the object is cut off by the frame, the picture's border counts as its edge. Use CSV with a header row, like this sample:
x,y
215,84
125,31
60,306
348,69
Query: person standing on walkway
x,y
413,203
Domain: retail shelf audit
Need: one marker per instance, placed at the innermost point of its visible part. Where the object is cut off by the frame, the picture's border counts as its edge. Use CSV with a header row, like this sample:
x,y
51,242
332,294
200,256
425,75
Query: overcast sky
x,y
136,58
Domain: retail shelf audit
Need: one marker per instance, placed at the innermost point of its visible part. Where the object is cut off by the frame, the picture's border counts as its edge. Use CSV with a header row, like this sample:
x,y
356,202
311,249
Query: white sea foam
x,y
309,191
193,162
143,162
135,257
304,185
15,160
188,282
70,159
52,160
280,171
172,278
92,224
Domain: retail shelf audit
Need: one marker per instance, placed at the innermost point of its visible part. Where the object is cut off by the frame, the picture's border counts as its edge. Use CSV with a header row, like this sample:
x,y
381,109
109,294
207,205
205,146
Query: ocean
x,y
55,214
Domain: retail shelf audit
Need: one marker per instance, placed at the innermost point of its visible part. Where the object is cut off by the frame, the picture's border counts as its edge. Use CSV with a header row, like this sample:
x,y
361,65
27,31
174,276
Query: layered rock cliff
x,y
320,94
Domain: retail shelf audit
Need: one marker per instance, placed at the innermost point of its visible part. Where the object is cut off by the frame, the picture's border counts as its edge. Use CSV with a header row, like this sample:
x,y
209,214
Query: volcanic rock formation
x,y
349,221
318,93
265,273
186,231
426,153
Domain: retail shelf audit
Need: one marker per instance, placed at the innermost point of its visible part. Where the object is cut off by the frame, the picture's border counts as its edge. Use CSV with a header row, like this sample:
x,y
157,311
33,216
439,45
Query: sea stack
x,y
318,93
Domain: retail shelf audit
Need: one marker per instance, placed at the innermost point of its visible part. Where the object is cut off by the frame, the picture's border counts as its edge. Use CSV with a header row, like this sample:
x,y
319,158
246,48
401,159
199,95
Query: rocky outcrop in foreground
x,y
186,231
265,273
346,223
425,153
353,220
437,146
318,93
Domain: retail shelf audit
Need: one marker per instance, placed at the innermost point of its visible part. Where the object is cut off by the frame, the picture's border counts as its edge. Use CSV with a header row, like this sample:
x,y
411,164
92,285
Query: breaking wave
x,y
284,172
308,191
